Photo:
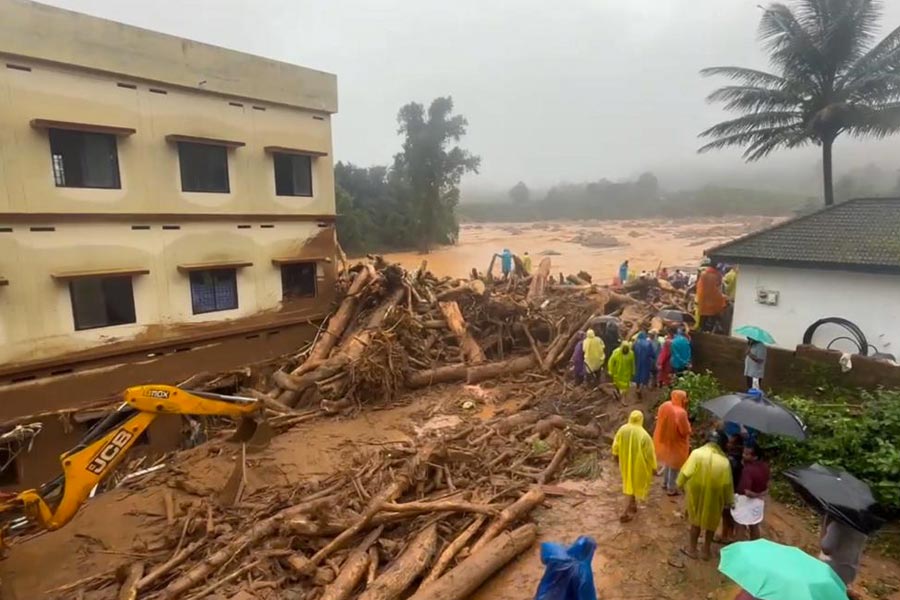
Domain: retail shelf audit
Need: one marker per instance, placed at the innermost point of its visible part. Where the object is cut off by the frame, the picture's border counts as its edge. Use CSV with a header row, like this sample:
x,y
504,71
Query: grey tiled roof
x,y
857,235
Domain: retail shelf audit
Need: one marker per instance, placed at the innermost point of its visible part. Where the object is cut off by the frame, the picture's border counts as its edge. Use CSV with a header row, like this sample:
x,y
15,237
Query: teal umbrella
x,y
770,571
755,333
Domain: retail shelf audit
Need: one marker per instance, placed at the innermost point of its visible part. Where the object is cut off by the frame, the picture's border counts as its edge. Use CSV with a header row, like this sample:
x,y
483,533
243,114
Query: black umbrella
x,y
676,316
839,494
757,412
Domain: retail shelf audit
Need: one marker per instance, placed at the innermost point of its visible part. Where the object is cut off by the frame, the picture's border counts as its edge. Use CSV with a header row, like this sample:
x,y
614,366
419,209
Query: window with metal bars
x,y
213,290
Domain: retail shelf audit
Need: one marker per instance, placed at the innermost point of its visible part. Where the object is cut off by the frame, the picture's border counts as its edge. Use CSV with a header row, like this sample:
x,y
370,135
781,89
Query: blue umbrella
x,y
755,333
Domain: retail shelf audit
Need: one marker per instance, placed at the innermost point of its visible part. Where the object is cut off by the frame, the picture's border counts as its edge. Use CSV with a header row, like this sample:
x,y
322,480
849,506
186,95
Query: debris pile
x,y
428,520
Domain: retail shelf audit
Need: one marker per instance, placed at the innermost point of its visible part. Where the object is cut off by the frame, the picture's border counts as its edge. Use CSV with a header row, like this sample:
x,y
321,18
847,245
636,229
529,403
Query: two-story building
x,y
166,207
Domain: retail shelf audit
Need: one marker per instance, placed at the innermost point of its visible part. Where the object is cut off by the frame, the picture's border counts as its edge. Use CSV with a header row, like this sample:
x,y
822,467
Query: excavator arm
x,y
104,447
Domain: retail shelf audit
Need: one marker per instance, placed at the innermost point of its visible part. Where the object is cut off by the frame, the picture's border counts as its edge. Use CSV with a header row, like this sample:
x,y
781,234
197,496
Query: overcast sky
x,y
554,91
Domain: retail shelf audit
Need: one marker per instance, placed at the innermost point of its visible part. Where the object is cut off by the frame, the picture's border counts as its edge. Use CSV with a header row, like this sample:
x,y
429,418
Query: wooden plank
x,y
292,260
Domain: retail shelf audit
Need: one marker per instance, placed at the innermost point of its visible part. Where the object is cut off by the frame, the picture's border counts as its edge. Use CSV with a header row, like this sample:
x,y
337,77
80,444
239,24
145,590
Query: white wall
x,y
872,301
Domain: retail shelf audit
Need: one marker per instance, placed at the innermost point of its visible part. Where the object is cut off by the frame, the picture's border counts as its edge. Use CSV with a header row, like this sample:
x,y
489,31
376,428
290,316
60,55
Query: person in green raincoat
x,y
594,355
621,367
637,462
709,489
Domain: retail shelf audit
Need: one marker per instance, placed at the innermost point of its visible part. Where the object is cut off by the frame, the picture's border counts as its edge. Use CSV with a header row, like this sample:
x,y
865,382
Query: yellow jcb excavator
x,y
105,445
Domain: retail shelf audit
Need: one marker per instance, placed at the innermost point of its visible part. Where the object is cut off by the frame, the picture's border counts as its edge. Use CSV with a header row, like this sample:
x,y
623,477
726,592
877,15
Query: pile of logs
x,y
429,520
395,330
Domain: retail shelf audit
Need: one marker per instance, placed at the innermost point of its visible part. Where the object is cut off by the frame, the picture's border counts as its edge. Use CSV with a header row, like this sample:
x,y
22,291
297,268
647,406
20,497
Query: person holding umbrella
x,y
850,512
755,356
706,479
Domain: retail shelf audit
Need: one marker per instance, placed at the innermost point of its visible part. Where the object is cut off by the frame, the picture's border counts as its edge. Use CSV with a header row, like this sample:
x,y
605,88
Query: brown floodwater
x,y
646,243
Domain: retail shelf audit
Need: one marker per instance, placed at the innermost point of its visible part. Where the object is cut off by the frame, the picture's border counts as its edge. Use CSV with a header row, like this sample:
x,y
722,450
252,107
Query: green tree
x,y
519,193
427,171
830,79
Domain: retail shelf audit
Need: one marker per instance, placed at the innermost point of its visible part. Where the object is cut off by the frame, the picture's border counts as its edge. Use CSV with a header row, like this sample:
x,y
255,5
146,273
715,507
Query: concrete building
x,y
155,192
166,208
843,261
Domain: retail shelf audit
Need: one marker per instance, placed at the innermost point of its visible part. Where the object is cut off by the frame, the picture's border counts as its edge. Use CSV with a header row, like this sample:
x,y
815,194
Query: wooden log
x,y
419,379
391,584
465,288
525,417
545,426
452,549
563,350
457,324
346,354
401,483
256,534
352,571
560,455
539,280
532,343
338,323
130,579
163,569
510,515
500,369
440,506
470,574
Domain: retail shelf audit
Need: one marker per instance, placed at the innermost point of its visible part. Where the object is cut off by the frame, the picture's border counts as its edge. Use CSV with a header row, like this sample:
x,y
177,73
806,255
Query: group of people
x,y
645,361
507,262
725,482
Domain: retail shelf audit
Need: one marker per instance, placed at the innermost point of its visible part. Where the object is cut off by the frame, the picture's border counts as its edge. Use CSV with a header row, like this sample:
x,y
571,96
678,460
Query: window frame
x,y
291,156
198,272
315,280
182,144
75,304
59,174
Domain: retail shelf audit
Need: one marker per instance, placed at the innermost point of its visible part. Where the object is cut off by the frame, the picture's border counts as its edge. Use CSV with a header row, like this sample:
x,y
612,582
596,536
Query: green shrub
x,y
700,387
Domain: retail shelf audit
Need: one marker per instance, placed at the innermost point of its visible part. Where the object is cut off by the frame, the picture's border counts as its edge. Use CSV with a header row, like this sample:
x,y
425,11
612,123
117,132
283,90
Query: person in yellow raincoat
x,y
594,355
706,479
637,462
621,367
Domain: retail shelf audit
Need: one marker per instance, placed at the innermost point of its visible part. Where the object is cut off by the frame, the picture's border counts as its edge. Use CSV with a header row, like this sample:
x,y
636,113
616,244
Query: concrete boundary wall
x,y
804,367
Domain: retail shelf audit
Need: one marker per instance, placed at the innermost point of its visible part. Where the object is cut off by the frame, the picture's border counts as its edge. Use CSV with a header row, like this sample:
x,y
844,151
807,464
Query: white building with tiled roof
x,y
841,262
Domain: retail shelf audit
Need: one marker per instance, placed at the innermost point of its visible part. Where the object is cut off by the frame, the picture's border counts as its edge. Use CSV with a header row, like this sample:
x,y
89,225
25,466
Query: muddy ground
x,y
635,560
573,246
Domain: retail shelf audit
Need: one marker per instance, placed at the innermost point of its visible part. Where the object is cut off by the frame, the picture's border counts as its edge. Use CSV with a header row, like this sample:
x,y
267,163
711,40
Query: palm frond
x,y
791,47
761,142
877,121
755,122
848,32
884,55
753,99
879,88
747,76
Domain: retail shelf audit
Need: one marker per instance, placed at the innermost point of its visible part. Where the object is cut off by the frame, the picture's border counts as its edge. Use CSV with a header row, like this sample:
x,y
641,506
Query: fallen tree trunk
x,y
548,473
471,573
475,374
452,550
404,570
293,386
352,571
510,515
457,324
563,351
338,322
539,280
254,535
440,506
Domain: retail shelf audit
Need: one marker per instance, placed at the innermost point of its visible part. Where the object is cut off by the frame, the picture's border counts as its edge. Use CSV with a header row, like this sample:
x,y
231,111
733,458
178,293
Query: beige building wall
x,y
60,66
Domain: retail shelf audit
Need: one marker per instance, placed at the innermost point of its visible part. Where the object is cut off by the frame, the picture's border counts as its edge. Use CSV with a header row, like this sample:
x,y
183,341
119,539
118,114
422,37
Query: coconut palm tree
x,y
829,78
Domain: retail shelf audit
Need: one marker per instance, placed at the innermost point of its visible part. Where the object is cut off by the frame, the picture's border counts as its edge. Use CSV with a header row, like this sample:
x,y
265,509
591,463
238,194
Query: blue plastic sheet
x,y
567,572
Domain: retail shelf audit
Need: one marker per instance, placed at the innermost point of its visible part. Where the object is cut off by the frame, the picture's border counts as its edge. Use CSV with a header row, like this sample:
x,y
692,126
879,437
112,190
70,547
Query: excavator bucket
x,y
255,432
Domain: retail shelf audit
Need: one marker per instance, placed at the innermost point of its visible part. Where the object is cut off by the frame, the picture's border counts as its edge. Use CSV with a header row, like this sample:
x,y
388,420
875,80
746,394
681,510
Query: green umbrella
x,y
770,571
755,333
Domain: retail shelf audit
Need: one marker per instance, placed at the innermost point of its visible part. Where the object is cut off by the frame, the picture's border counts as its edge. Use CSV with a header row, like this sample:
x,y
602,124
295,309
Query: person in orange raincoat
x,y
672,438
711,300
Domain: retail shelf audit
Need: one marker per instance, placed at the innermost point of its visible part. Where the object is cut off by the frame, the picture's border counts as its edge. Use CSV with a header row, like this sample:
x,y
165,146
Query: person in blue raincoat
x,y
681,352
644,361
506,262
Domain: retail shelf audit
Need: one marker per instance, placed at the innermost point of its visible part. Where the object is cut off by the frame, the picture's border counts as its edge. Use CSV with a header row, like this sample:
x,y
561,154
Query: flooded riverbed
x,y
645,243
